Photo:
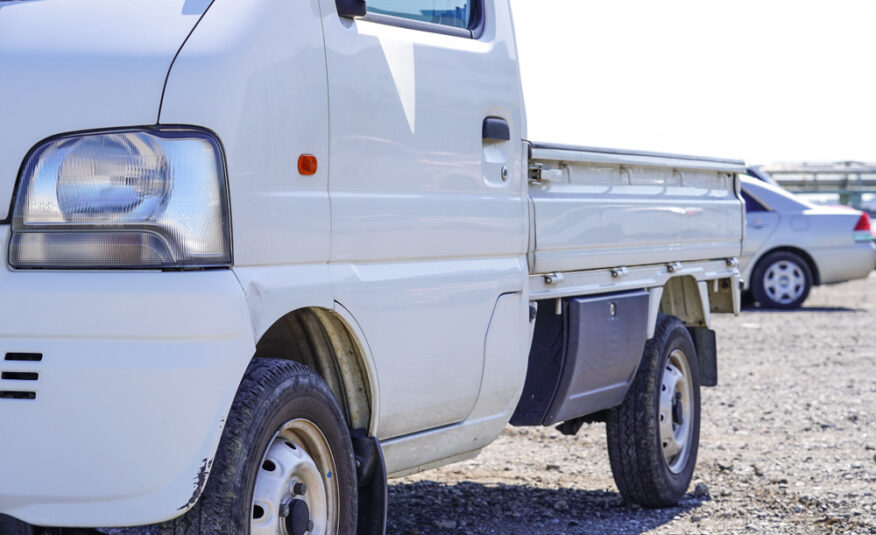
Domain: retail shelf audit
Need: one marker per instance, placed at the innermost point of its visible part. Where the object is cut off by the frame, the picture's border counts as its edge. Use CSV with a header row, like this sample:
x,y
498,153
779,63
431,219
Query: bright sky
x,y
760,80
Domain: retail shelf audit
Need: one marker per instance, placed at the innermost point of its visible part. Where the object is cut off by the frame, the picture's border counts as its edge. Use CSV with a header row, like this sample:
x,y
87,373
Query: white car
x,y
791,245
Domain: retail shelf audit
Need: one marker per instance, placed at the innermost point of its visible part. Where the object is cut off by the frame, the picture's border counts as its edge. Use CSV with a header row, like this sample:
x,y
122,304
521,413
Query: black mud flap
x,y
371,472
707,354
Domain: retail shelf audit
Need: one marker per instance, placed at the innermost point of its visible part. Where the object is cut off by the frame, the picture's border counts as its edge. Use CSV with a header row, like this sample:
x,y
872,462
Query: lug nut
x,y
285,507
310,525
299,489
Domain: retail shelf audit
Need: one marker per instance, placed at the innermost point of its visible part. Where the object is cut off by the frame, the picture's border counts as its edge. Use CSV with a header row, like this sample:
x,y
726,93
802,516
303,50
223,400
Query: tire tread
x,y
264,378
636,463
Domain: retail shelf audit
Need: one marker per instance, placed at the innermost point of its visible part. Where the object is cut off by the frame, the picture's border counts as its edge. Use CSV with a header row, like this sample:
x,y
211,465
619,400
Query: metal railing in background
x,y
850,180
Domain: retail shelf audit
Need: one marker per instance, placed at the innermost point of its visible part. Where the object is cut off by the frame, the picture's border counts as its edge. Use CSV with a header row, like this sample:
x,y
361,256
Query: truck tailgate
x,y
602,208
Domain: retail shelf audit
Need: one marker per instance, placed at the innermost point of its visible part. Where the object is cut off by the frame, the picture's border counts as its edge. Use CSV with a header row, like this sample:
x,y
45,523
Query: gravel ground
x,y
788,445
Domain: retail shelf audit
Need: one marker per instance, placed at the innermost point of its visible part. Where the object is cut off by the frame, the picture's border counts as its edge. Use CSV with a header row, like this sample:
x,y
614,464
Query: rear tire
x,y
781,280
653,435
285,428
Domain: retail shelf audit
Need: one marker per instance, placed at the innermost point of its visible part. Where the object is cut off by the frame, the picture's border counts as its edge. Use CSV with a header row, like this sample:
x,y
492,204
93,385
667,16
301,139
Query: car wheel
x,y
285,462
653,436
781,280
13,526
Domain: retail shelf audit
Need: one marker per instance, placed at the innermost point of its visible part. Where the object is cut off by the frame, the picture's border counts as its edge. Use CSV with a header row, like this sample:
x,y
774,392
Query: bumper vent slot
x,y
17,395
24,357
20,376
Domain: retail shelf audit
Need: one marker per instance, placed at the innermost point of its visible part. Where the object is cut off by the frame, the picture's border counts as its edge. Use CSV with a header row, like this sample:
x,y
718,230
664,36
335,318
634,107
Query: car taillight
x,y
862,228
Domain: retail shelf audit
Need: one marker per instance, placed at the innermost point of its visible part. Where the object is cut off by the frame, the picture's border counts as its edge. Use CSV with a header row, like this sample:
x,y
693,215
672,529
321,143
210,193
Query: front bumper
x,y
136,377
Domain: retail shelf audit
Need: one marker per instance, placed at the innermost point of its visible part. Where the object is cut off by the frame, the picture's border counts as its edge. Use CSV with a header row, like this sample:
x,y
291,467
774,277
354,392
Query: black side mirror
x,y
351,8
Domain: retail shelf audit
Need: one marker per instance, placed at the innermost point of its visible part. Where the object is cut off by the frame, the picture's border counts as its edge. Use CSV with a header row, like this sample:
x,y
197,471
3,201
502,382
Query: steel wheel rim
x,y
675,416
297,454
784,281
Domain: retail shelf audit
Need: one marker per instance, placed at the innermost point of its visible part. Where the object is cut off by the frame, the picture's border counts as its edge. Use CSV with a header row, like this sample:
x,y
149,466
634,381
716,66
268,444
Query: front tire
x,y
781,280
285,462
653,436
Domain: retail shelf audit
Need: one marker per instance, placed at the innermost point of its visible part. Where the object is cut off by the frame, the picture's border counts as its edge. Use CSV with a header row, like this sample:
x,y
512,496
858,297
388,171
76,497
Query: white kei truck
x,y
263,255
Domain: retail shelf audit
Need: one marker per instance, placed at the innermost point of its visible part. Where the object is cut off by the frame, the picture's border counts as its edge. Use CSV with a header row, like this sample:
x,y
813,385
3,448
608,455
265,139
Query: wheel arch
x,y
683,297
325,342
810,262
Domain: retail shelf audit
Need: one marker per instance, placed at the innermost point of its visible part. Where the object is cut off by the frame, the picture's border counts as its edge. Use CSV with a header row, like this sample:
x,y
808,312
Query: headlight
x,y
123,199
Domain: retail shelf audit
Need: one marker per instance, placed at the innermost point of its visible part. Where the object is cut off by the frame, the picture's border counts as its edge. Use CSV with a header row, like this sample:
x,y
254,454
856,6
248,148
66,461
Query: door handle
x,y
496,129
351,8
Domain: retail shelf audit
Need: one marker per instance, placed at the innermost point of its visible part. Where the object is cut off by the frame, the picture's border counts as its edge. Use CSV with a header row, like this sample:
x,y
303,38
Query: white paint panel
x,y
425,232
138,373
843,263
437,447
254,73
591,215
82,64
274,291
506,357
759,227
407,180
425,324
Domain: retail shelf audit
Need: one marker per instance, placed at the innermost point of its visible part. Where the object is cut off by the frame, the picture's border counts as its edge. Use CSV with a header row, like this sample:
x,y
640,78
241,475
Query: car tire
x,y
285,429
747,299
13,526
653,436
781,280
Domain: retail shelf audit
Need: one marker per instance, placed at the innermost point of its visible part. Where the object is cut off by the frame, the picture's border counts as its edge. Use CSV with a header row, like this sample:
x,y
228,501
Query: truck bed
x,y
597,208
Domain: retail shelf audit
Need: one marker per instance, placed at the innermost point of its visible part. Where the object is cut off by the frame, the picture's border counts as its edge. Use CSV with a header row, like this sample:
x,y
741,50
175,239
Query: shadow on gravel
x,y
428,507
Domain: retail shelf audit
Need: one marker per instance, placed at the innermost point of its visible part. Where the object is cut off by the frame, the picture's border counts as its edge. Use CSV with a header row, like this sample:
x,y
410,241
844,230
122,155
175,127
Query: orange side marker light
x,y
307,164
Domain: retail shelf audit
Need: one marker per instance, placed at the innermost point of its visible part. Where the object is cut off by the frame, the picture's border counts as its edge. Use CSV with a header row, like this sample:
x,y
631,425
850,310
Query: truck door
x,y
426,192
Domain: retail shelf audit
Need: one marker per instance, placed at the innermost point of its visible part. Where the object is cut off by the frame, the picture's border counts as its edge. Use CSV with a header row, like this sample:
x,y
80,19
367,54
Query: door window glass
x,y
455,13
752,205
